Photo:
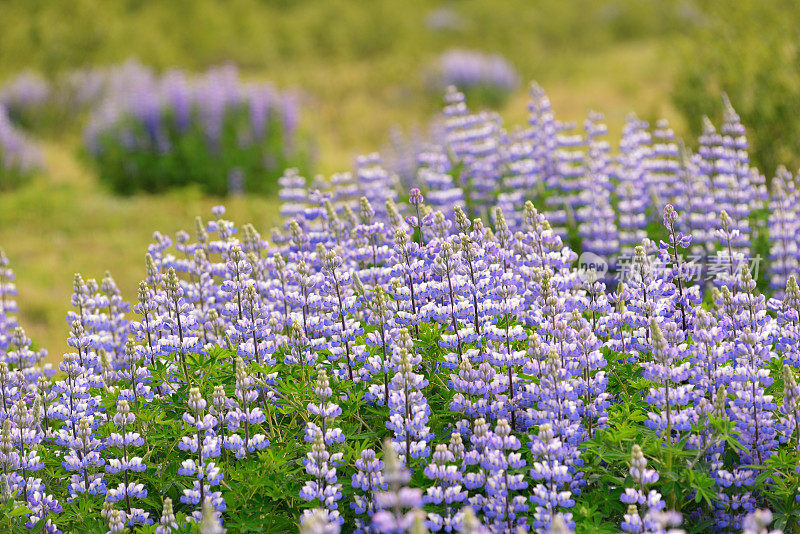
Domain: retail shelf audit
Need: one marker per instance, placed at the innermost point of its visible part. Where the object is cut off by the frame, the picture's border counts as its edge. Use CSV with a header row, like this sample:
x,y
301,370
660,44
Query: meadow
x,y
466,268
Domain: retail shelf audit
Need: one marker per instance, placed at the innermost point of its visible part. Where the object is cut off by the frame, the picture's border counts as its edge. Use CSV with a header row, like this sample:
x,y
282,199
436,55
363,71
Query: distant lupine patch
x,y
444,19
487,75
152,132
24,96
20,157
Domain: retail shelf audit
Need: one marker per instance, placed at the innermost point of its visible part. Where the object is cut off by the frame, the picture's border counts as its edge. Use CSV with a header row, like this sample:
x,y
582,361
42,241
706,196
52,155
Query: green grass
x,y
65,223
360,67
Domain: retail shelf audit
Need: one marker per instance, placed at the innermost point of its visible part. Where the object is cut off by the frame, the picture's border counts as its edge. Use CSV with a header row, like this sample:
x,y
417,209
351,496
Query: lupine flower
x,y
205,445
408,408
167,524
670,395
399,507
758,523
127,491
503,465
320,521
446,491
550,495
242,416
320,463
468,69
369,480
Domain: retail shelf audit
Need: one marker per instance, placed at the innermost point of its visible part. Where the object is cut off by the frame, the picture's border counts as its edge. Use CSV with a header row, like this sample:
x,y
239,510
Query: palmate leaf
x,y
704,487
594,518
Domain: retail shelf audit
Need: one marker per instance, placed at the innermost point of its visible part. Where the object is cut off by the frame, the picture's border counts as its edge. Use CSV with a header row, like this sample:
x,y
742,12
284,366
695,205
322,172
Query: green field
x,y
360,67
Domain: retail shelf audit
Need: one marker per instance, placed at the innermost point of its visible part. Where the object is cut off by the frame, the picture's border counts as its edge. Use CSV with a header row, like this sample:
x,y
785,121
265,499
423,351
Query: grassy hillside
x,y
360,67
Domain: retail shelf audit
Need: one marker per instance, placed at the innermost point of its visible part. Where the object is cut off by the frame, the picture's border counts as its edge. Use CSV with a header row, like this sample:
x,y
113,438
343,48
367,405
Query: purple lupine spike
x,y
111,325
375,182
408,407
293,194
441,189
20,440
399,507
342,329
411,270
447,303
788,317
134,376
500,349
542,121
503,465
730,261
202,442
127,491
167,523
147,331
369,480
320,464
472,256
680,273
736,164
707,354
84,459
253,335
372,247
645,510
646,295
753,410
21,358
550,494
664,165
242,418
445,493
592,378
381,314
179,324
471,389
631,170
789,423
670,396
8,303
784,224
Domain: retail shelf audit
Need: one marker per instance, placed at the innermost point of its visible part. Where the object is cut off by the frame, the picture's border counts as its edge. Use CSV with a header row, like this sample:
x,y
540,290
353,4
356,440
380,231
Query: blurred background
x,y
121,118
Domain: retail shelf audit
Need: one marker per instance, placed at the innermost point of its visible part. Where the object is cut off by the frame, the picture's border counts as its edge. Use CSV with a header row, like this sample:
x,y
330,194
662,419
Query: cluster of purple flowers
x,y
23,94
177,100
470,69
19,155
462,322
214,129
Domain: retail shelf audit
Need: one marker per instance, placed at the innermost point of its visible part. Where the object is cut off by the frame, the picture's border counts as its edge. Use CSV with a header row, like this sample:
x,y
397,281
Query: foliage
x,y
747,50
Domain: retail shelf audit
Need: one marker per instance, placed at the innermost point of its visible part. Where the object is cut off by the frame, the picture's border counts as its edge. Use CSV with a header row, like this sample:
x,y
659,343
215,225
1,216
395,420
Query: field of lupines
x,y
540,335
